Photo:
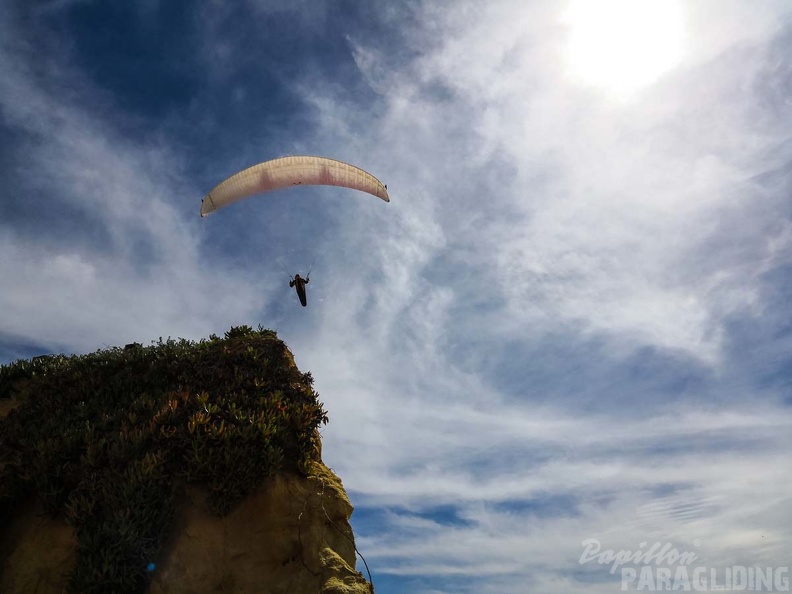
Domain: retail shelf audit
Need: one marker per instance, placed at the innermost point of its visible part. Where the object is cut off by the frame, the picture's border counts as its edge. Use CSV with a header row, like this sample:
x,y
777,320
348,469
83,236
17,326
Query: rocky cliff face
x,y
292,535
176,468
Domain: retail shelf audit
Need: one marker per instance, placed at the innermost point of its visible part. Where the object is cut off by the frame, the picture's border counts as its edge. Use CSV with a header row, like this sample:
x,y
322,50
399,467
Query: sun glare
x,y
623,45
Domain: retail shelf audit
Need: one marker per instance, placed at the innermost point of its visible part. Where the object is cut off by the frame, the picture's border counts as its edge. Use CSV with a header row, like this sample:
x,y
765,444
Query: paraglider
x,y
299,285
291,171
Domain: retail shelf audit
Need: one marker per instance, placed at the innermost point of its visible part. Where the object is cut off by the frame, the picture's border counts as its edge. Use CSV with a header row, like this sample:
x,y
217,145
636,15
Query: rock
x,y
36,553
292,535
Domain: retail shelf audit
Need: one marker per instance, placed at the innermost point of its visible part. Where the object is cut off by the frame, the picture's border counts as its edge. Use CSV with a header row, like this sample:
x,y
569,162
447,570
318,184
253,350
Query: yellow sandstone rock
x,y
292,535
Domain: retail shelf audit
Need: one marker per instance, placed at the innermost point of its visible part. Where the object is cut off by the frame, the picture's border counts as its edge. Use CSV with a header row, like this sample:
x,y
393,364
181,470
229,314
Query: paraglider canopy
x,y
291,171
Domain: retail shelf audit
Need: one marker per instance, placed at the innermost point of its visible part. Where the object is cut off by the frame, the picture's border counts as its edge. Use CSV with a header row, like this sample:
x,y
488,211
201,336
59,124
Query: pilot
x,y
299,285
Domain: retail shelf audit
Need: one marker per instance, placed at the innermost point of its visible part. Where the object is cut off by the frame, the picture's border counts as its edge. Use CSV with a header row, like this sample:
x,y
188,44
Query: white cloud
x,y
546,210
607,202
151,280
615,243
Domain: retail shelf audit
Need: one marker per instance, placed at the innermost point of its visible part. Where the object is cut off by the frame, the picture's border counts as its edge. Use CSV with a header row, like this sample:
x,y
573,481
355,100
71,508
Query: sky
x,y
568,331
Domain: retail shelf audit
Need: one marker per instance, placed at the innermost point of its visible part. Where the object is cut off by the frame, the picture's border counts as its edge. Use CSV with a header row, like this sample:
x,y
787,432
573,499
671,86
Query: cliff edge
x,y
180,467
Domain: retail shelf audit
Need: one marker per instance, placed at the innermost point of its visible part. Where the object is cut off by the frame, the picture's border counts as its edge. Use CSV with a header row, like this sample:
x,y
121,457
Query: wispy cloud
x,y
128,266
624,238
571,321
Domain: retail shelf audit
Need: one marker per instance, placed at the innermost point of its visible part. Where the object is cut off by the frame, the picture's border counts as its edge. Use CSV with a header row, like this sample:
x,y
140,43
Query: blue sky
x,y
570,323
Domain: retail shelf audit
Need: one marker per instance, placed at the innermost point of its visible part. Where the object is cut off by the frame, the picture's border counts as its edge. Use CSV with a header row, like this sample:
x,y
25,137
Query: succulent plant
x,y
107,437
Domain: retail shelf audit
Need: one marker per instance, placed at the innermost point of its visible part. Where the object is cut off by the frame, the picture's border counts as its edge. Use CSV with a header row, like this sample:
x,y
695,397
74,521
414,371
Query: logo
x,y
662,567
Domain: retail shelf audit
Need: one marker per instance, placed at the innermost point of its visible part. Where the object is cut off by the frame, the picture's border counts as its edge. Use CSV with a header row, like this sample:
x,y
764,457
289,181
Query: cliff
x,y
179,467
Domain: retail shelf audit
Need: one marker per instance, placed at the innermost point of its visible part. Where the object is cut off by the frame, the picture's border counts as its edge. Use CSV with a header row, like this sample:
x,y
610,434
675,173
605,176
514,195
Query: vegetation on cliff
x,y
108,439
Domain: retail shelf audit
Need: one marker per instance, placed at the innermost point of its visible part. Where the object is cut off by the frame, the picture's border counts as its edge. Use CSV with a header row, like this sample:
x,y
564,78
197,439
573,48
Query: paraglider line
x,y
345,535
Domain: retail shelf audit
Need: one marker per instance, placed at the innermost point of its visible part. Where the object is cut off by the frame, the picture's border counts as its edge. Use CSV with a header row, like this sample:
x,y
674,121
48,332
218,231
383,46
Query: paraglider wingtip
x,y
207,208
